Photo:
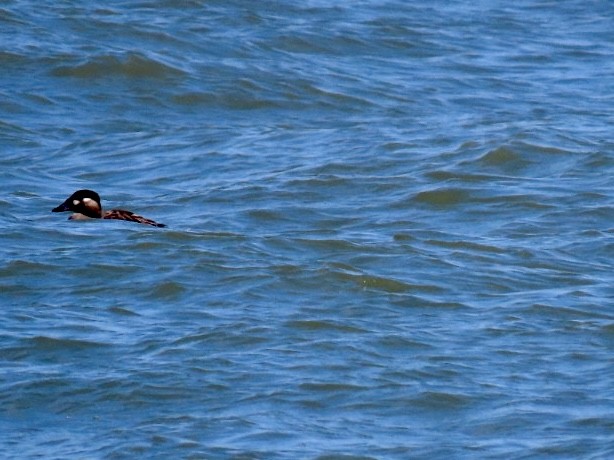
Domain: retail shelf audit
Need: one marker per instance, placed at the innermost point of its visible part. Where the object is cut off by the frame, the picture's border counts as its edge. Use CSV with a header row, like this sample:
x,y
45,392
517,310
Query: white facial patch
x,y
75,202
87,200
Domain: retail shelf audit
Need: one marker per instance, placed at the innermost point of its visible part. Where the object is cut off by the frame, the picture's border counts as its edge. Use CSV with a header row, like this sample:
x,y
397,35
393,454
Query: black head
x,y
86,202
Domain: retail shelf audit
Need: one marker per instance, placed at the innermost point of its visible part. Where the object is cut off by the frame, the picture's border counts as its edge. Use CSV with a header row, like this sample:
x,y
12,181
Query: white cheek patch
x,y
75,202
87,200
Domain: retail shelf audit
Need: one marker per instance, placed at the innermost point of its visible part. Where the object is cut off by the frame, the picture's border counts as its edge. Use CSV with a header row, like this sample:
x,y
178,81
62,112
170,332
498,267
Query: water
x,y
389,230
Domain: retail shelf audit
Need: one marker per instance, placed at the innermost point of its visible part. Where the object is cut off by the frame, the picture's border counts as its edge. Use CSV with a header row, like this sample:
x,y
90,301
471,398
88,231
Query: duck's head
x,y
86,202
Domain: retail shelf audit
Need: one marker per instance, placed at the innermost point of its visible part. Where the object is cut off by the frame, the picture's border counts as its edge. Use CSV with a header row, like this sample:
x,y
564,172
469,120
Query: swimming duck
x,y
86,205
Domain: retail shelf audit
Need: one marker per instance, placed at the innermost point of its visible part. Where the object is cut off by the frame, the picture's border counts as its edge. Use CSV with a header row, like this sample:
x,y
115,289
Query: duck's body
x,y
86,205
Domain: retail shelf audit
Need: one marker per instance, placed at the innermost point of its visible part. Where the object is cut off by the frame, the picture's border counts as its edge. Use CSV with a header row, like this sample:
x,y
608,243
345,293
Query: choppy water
x,y
390,230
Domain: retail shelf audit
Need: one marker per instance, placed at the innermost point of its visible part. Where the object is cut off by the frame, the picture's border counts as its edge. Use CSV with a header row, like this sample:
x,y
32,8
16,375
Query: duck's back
x,y
120,214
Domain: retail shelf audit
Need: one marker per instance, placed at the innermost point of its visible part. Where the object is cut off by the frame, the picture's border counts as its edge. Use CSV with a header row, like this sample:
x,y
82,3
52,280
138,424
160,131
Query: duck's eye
x,y
75,202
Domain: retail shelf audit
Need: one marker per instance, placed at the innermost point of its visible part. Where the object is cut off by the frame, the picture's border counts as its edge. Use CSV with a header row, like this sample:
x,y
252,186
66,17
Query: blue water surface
x,y
389,230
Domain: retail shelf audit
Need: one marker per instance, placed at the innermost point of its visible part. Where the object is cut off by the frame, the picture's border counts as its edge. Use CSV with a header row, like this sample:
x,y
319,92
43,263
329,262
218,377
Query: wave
x,y
130,65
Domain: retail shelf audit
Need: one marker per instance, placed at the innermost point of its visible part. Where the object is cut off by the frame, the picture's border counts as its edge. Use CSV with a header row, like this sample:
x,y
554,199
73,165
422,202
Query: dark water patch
x,y
203,236
110,269
402,344
312,43
525,159
237,334
122,311
8,58
340,456
504,158
563,313
332,98
329,387
11,129
147,246
403,237
463,177
598,160
389,285
196,98
287,269
15,267
147,392
443,197
168,290
442,400
427,302
46,343
321,181
10,18
266,215
217,334
130,65
237,100
322,325
331,245
468,246
532,202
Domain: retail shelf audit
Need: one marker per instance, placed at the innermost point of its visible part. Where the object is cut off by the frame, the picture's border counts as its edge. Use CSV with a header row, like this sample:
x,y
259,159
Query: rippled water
x,y
390,230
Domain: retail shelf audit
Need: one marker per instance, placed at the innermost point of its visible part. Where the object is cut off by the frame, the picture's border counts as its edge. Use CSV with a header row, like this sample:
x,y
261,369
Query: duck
x,y
86,205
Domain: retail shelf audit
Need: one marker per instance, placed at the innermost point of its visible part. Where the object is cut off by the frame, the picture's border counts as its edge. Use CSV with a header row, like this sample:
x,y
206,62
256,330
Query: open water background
x,y
390,229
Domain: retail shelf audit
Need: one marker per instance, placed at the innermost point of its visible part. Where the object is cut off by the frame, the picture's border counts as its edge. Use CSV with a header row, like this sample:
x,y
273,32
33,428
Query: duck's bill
x,y
61,208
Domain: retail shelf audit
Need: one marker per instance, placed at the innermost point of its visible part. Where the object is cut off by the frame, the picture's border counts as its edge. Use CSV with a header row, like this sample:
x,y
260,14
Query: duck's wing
x,y
120,214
